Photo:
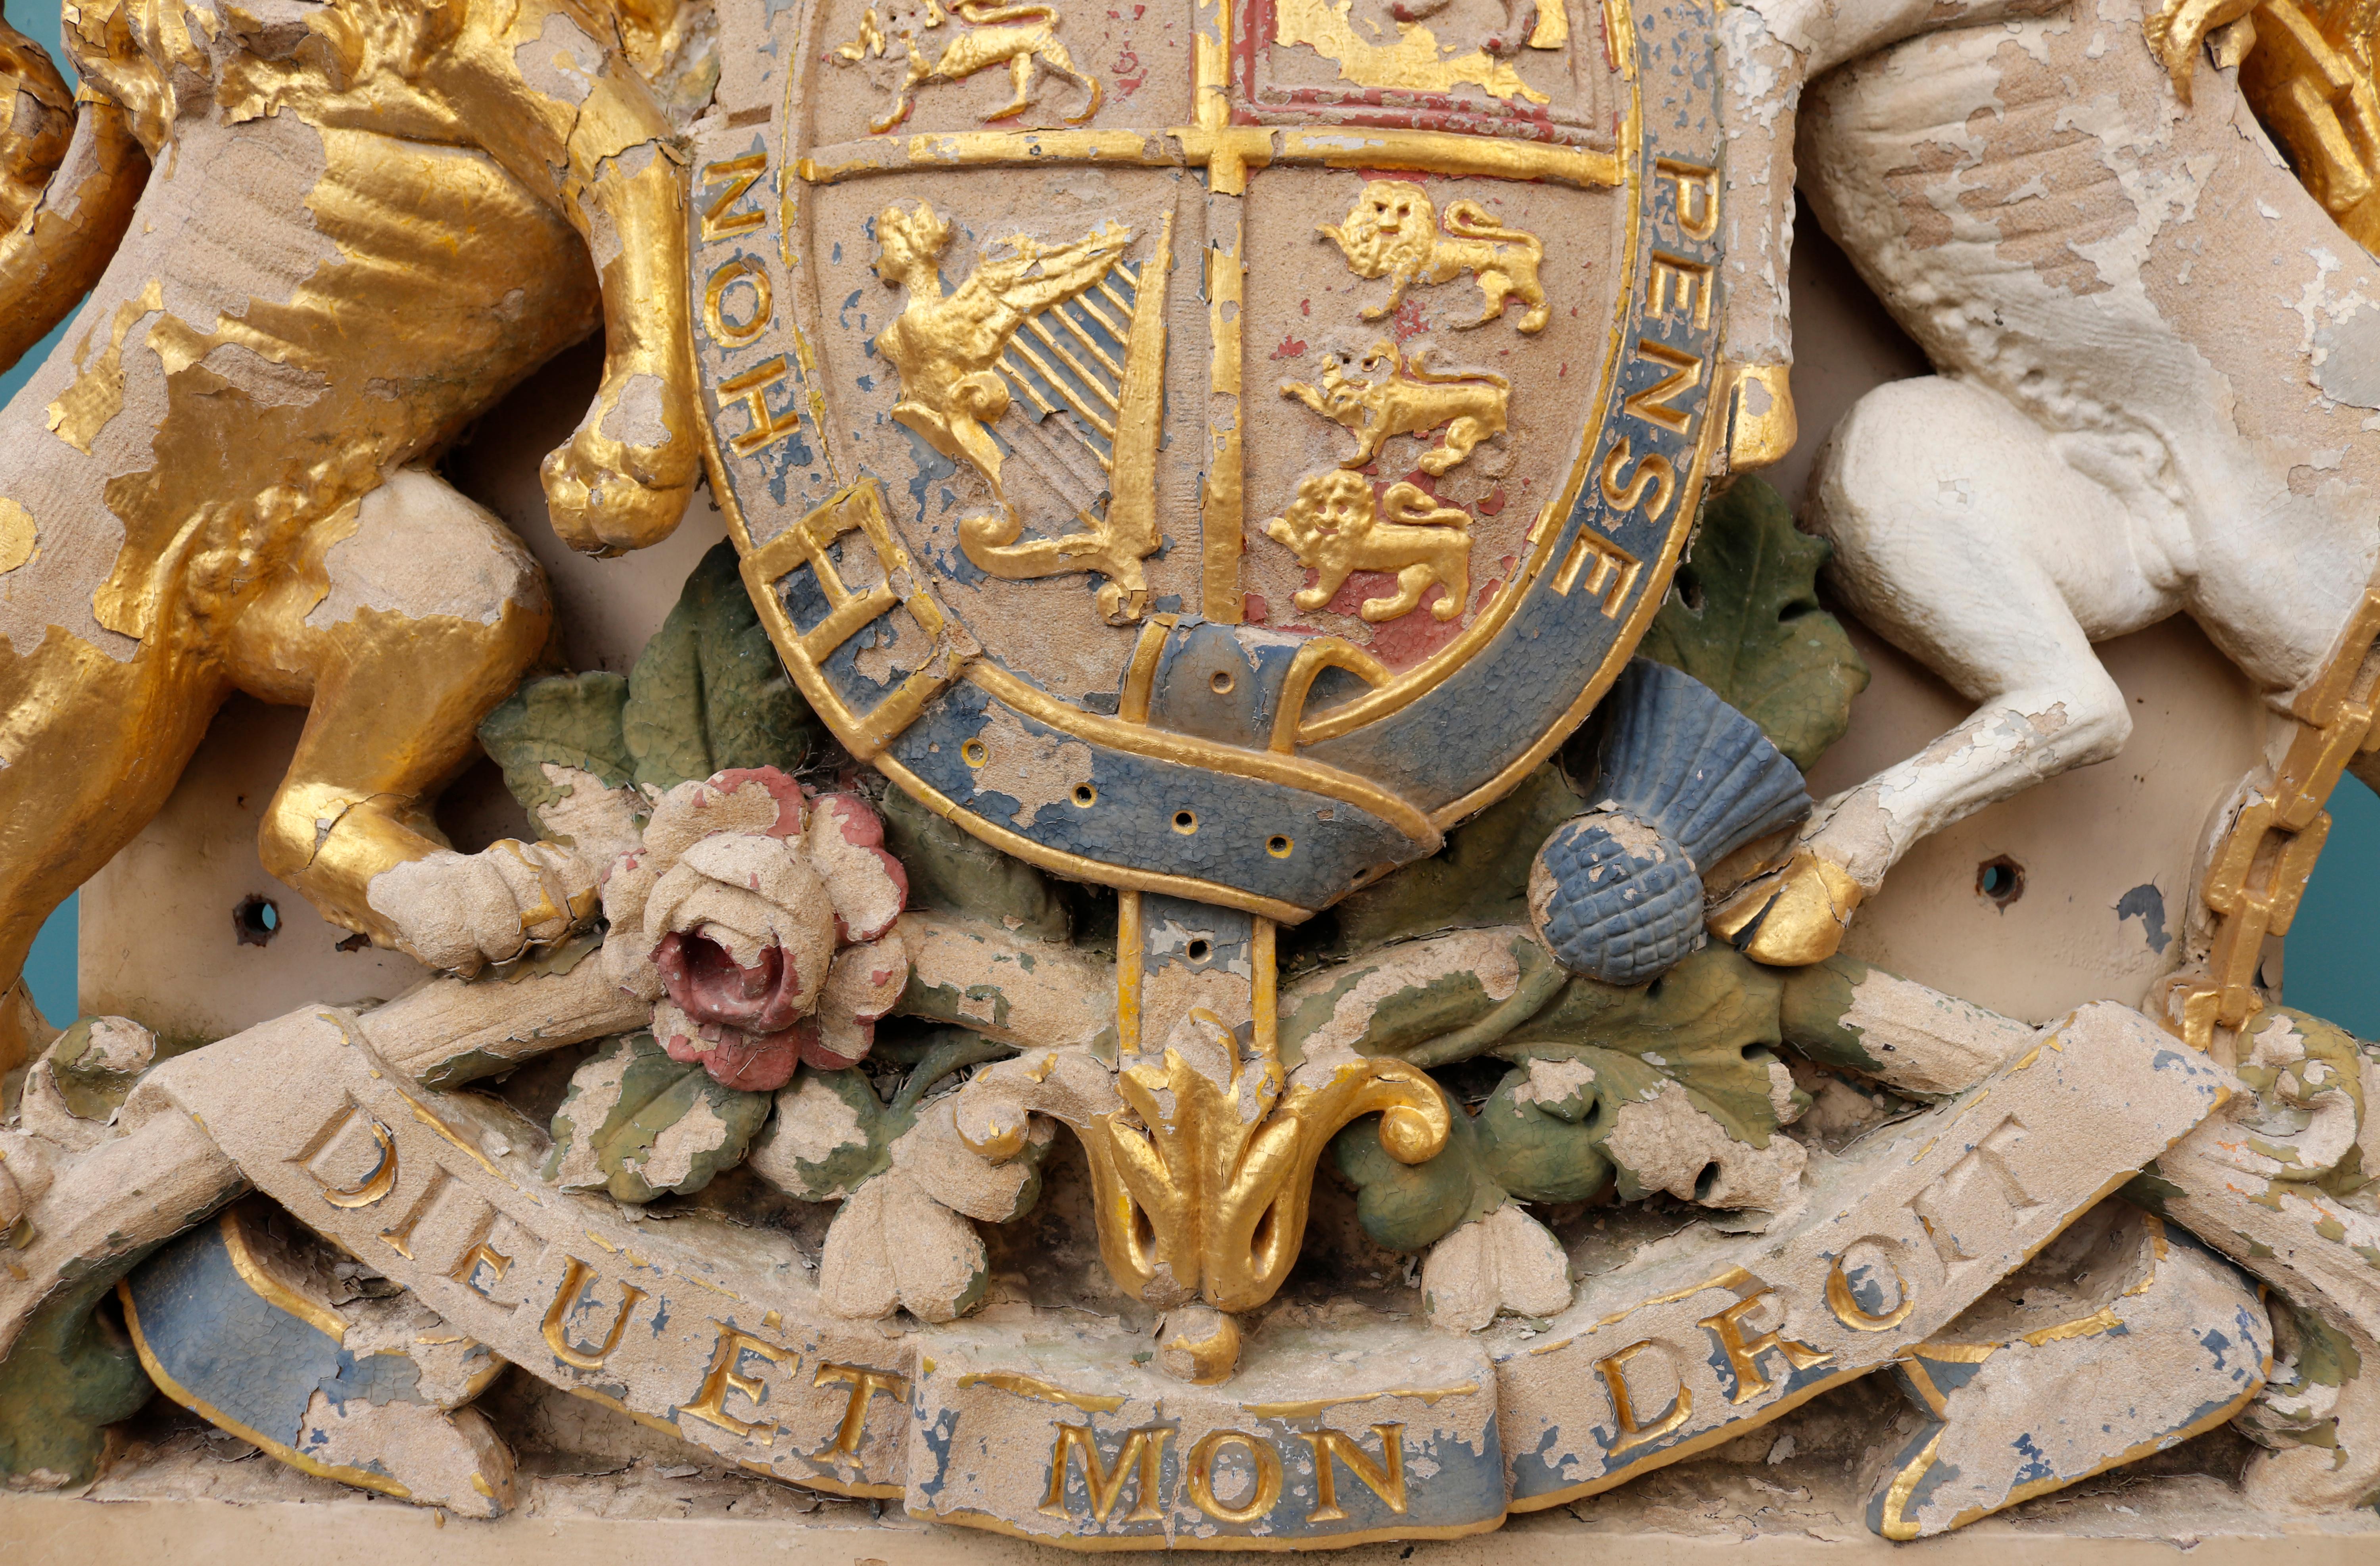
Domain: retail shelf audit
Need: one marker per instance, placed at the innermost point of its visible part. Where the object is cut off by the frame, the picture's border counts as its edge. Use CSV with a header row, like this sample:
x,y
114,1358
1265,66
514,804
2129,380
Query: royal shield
x,y
1212,450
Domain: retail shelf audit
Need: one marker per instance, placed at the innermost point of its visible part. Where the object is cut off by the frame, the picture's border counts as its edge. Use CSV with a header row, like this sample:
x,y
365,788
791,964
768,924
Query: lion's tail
x,y
983,13
870,43
1411,506
1469,220
1417,369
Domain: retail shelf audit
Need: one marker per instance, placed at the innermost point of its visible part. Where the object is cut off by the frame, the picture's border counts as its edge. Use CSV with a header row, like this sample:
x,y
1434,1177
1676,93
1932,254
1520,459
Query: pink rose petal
x,y
709,986
754,1062
867,981
867,884
831,1043
785,790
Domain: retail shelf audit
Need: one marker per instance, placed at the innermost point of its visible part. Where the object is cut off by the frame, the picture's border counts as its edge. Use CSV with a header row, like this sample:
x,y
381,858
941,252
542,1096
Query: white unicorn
x,y
2159,357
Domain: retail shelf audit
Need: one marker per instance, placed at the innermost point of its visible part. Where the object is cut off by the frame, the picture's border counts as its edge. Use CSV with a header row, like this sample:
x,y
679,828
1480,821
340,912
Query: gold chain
x,y
2309,77
2260,870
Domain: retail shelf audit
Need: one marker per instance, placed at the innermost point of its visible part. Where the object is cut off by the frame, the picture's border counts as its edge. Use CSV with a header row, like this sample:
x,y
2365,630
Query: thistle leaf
x,y
1744,618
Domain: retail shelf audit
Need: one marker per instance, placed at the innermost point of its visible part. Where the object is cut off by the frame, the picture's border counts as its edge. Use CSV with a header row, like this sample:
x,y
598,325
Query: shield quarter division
x,y
1221,479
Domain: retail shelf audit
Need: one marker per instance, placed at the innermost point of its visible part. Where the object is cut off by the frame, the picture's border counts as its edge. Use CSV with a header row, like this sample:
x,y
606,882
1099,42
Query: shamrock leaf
x,y
903,1240
1744,618
1541,1131
1409,1207
1506,1261
893,1246
907,1182
638,1123
1486,1255
830,1134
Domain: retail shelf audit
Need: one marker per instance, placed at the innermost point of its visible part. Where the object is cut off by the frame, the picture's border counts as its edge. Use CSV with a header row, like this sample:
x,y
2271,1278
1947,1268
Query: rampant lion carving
x,y
361,235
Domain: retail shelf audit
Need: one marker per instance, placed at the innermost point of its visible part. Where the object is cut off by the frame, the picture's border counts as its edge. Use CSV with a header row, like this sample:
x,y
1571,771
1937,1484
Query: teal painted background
x,y
50,970
2331,941
2329,945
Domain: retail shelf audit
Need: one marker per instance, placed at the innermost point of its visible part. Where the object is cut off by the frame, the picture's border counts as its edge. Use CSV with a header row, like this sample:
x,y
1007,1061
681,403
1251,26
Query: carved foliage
x,y
1744,618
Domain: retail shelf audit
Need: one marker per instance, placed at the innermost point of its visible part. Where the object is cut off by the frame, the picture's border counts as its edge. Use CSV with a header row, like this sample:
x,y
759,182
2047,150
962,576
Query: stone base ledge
x,y
51,1531
254,1512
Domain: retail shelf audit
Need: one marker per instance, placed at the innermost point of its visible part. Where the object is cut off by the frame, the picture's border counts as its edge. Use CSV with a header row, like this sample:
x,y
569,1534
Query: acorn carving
x,y
1685,778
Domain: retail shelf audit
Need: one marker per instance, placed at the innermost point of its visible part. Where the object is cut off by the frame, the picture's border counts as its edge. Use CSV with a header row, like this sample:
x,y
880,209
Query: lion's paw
x,y
459,912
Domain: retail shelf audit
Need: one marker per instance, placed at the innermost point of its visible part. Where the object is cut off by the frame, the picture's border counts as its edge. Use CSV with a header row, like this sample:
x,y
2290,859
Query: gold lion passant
x,y
1392,232
1335,528
1023,37
1412,400
369,219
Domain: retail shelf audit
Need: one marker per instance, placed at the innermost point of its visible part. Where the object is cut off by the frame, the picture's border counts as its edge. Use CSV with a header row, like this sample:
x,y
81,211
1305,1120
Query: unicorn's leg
x,y
1963,540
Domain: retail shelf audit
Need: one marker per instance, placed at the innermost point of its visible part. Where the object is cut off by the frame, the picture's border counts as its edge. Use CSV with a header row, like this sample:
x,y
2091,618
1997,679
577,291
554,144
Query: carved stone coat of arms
x,y
1208,928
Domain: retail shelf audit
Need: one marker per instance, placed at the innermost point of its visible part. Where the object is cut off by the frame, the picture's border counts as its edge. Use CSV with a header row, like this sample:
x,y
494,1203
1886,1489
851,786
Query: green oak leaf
x,y
952,870
638,1123
1548,1126
1743,617
70,1374
1481,877
1430,1018
708,693
566,719
90,1089
1710,1024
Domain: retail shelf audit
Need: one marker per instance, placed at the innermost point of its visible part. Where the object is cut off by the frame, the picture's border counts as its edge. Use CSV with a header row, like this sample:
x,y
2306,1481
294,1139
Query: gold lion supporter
x,y
367,220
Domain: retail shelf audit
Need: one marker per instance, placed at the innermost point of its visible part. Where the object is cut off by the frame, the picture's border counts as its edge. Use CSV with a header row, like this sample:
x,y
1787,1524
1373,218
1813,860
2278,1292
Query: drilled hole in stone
x,y
1185,821
1223,682
1278,846
1085,796
255,921
2000,882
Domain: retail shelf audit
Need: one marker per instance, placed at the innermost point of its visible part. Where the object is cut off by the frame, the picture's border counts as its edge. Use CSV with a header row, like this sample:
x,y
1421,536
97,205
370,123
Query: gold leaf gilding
x,y
18,534
83,410
1413,62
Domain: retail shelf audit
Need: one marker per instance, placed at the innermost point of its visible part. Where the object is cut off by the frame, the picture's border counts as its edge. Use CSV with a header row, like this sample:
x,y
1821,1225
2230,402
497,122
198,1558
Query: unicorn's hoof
x,y
1791,917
